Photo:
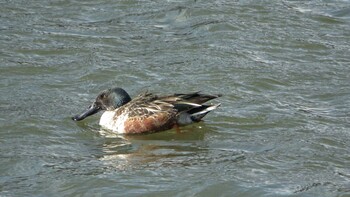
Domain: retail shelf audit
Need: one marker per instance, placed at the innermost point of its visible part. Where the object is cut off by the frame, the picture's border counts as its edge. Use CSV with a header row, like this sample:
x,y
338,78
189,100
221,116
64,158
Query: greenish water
x,y
283,66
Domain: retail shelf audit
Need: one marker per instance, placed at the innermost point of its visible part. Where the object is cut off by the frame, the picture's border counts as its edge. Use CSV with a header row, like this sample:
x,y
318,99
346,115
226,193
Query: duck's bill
x,y
93,109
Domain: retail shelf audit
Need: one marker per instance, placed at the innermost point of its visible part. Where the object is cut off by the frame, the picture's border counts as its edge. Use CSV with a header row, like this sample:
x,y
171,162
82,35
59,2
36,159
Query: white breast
x,y
110,122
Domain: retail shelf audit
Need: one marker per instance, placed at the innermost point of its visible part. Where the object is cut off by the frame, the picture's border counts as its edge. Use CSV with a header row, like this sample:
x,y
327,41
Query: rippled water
x,y
283,66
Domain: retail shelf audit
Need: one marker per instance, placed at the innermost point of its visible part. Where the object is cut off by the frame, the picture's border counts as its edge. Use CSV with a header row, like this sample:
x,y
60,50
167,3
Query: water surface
x,y
283,128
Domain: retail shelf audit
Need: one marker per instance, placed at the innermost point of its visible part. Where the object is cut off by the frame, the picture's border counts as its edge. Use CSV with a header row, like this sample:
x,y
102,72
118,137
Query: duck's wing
x,y
185,102
194,97
190,107
146,113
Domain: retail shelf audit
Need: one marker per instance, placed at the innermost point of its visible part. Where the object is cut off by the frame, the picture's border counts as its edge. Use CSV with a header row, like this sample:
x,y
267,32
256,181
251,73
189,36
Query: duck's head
x,y
109,99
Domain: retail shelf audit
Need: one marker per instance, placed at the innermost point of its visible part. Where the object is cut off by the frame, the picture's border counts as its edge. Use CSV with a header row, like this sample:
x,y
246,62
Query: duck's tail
x,y
195,114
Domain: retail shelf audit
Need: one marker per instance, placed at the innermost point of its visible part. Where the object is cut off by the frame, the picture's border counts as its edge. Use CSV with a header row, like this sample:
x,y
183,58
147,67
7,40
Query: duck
x,y
147,112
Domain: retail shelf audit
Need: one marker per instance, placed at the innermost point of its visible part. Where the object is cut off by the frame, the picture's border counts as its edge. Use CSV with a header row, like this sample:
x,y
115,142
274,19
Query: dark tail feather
x,y
198,113
195,114
198,98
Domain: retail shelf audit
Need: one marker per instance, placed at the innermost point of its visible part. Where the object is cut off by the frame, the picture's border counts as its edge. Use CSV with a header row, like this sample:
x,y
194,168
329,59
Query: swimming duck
x,y
147,112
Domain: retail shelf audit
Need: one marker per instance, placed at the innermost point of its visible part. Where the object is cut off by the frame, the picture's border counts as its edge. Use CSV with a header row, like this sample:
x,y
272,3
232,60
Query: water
x,y
282,130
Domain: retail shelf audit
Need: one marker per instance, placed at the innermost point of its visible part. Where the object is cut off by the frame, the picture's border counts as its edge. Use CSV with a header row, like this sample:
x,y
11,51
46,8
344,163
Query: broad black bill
x,y
93,109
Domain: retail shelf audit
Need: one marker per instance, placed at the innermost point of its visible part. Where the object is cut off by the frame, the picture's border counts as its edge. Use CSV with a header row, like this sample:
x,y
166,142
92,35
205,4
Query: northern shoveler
x,y
147,112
